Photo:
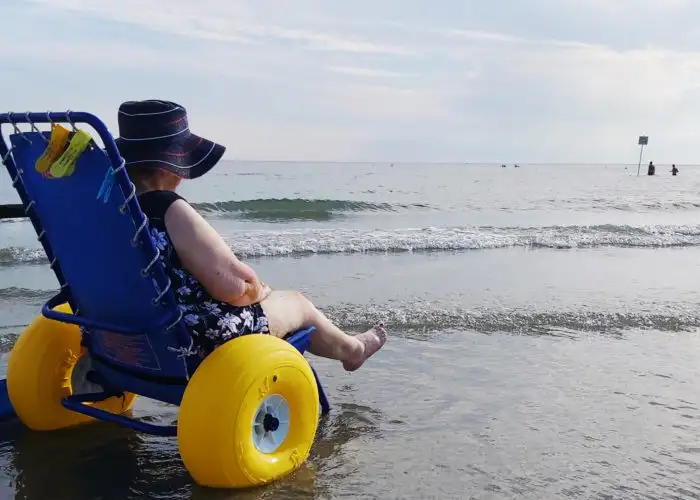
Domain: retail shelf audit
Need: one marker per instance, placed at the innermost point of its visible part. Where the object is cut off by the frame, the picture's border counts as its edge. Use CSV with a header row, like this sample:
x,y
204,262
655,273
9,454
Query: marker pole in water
x,y
639,165
643,141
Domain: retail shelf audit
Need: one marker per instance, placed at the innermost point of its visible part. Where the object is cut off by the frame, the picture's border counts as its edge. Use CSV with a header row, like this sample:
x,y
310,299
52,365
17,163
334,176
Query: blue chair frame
x,y
116,375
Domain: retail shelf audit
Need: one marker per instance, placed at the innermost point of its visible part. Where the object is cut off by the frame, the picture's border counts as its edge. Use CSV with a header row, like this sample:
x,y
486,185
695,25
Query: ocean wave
x,y
286,209
583,205
438,239
297,242
21,255
666,206
276,209
27,295
423,320
302,209
433,239
615,204
419,319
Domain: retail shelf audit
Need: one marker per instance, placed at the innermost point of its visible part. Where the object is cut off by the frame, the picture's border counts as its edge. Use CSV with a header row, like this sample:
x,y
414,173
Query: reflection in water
x,y
345,423
472,415
97,461
109,462
92,461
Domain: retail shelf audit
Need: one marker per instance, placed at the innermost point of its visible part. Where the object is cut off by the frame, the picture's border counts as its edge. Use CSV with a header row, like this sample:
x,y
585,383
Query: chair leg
x,y
325,406
77,404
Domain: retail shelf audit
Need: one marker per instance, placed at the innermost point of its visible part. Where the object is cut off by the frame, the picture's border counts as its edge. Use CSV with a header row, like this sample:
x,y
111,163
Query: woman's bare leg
x,y
288,311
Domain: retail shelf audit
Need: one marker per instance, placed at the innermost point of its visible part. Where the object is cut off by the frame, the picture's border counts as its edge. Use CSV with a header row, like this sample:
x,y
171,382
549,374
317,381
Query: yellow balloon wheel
x,y
39,372
249,414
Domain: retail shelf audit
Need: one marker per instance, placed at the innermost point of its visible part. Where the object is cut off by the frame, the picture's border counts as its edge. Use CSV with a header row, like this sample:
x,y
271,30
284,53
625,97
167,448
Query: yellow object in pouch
x,y
57,143
65,165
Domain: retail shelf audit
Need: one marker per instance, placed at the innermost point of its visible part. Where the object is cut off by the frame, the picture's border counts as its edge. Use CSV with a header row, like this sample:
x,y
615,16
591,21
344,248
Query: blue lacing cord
x,y
104,194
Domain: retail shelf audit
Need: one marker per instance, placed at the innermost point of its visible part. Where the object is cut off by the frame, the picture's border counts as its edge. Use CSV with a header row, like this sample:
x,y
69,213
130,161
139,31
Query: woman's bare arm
x,y
205,254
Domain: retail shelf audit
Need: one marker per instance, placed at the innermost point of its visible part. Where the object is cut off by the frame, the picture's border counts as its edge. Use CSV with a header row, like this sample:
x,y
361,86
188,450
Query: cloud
x,y
485,36
536,80
368,72
219,20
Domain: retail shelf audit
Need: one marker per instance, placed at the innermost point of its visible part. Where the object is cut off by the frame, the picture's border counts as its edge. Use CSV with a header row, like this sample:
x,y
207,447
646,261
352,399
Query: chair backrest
x,y
104,257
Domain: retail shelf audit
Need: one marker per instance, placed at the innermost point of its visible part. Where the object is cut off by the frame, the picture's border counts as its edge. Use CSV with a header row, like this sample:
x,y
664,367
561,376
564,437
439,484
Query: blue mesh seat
x,y
106,263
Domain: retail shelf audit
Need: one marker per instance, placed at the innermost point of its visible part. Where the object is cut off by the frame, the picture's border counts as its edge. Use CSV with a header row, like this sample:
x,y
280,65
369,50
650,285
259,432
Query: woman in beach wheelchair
x,y
153,302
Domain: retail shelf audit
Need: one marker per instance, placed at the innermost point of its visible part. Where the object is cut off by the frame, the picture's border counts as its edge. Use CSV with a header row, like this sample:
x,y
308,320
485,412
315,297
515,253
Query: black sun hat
x,y
156,134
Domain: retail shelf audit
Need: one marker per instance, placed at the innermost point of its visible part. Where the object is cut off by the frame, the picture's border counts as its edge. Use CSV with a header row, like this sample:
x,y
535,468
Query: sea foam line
x,y
259,243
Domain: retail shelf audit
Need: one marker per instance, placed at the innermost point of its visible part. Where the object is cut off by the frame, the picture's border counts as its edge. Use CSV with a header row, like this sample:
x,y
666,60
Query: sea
x,y
543,326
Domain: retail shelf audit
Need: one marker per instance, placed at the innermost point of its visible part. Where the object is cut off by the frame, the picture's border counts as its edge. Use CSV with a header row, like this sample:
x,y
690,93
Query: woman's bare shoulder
x,y
181,211
190,232
182,218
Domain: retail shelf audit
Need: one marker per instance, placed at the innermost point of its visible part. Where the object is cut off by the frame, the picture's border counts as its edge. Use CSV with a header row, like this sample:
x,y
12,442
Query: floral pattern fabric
x,y
209,321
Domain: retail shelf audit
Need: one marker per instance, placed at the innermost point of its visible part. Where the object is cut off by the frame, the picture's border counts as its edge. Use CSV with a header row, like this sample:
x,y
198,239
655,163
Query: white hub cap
x,y
79,382
271,423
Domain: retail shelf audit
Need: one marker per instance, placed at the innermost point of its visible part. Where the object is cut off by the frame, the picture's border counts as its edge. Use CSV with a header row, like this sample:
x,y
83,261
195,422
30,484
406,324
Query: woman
x,y
222,297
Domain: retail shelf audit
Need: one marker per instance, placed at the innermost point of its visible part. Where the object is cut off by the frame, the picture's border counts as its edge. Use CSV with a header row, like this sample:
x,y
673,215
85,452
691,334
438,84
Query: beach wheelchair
x,y
248,412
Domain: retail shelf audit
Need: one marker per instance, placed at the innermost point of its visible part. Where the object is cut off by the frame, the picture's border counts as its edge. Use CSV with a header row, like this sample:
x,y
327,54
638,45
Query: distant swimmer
x,y
516,165
674,170
503,165
652,168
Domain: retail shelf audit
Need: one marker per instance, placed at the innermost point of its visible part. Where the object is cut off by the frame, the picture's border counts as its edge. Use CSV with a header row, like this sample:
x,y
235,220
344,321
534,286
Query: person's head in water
x,y
158,148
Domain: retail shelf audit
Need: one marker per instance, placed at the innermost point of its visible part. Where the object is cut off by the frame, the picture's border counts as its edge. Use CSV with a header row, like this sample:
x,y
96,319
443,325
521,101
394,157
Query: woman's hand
x,y
265,291
256,291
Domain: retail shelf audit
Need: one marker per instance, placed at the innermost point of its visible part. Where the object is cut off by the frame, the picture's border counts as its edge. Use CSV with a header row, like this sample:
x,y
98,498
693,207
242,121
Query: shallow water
x,y
543,334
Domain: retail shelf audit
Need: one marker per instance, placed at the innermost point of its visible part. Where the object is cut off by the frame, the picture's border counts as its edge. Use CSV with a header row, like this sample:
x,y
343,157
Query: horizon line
x,y
465,163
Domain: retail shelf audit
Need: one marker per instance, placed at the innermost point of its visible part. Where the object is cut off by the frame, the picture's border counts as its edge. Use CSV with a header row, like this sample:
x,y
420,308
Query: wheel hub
x,y
80,378
271,423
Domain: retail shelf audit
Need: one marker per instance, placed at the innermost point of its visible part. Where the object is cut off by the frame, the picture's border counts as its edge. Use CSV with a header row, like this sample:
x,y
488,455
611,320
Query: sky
x,y
376,80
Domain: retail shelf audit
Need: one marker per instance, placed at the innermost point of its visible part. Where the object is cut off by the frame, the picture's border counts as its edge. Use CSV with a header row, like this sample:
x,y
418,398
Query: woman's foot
x,y
371,341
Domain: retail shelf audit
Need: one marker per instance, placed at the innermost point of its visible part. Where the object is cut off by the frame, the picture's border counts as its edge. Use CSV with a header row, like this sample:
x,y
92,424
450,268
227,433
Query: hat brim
x,y
189,157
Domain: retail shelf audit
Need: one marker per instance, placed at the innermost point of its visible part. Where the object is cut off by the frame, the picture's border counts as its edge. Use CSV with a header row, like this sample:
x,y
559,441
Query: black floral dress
x,y
209,321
